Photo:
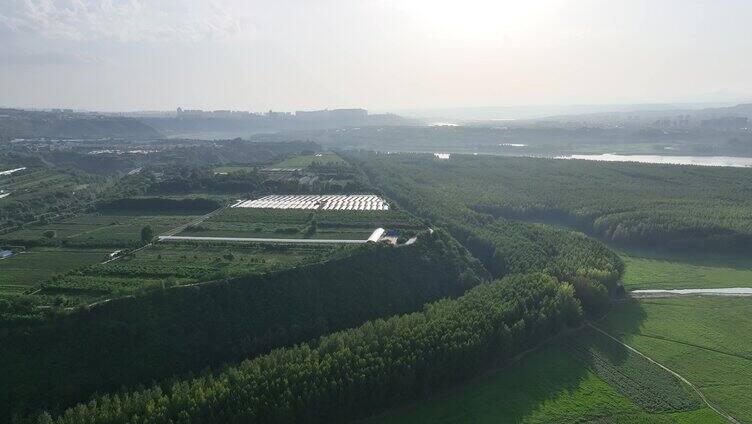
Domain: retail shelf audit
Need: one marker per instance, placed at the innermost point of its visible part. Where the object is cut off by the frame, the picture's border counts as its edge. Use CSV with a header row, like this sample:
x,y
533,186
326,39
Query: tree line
x,y
351,373
137,340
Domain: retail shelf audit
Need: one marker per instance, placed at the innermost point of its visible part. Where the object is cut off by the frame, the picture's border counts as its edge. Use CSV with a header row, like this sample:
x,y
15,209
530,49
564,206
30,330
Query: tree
x,y
147,234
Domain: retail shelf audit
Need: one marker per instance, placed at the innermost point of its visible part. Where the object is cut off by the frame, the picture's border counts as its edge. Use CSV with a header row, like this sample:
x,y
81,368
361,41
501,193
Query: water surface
x,y
730,161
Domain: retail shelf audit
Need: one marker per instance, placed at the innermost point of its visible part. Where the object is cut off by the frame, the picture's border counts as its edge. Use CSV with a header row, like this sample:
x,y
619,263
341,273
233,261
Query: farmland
x,y
304,161
38,191
99,229
662,270
706,339
167,265
28,268
229,169
267,223
550,385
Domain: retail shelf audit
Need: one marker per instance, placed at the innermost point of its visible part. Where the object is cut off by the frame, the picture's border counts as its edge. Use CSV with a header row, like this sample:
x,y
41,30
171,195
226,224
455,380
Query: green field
x,y
27,269
100,229
304,161
164,265
277,223
673,271
548,386
708,340
229,169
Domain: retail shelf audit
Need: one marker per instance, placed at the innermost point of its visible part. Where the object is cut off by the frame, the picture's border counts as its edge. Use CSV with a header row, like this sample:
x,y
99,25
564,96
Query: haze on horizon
x,y
384,55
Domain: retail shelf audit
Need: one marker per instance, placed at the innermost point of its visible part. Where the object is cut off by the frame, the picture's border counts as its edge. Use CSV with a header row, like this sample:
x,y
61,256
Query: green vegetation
x,y
187,329
27,268
229,169
350,373
680,207
708,340
644,383
447,195
656,270
291,223
39,193
317,159
97,230
548,386
179,263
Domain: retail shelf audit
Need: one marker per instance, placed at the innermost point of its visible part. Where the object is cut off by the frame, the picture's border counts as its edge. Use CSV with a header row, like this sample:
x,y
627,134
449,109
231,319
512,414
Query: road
x,y
262,240
728,291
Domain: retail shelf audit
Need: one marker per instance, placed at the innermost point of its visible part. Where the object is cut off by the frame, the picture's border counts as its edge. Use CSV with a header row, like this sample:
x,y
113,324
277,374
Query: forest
x,y
351,373
51,364
680,208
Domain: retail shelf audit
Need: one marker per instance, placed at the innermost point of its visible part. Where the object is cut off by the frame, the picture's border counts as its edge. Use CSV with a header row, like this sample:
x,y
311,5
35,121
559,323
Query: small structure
x,y
376,235
5,254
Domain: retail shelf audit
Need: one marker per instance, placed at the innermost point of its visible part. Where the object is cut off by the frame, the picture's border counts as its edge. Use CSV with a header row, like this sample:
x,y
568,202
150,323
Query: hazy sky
x,y
378,54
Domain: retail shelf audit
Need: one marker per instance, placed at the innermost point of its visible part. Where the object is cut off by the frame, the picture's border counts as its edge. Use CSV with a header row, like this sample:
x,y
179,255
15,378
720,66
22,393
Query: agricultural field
x,y
26,269
166,265
98,229
304,161
37,191
230,169
549,386
708,340
662,270
291,223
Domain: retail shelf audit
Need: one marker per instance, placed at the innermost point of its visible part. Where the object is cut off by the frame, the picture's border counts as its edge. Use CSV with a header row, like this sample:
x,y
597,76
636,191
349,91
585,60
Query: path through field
x,y
677,375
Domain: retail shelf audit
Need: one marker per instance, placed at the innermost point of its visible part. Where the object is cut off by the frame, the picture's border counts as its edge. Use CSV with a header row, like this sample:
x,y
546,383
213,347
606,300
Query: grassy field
x,y
101,229
28,269
671,271
304,161
273,223
229,169
548,386
708,340
184,263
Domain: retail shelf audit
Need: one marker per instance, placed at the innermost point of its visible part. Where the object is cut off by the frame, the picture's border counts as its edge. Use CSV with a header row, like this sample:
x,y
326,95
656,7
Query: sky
x,y
128,55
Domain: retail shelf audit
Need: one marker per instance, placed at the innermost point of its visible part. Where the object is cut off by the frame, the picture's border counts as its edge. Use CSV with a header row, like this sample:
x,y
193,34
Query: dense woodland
x,y
351,373
317,343
503,245
138,340
679,207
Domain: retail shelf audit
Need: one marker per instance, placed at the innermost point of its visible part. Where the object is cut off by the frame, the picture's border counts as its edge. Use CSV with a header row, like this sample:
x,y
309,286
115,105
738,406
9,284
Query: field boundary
x,y
716,409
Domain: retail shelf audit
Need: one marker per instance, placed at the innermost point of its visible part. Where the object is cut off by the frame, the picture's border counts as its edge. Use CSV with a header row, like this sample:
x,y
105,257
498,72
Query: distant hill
x,y
727,116
16,123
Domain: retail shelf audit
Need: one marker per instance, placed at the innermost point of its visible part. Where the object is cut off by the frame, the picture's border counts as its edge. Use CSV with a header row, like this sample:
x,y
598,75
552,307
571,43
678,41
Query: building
x,y
5,254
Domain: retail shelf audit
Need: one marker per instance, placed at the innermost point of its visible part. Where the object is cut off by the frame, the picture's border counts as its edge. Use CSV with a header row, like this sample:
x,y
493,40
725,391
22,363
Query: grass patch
x,y
30,268
231,169
165,265
708,340
304,161
277,223
548,386
101,229
651,270
643,382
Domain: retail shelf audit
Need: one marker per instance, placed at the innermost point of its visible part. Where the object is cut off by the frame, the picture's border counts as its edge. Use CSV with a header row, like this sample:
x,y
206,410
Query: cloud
x,y
121,20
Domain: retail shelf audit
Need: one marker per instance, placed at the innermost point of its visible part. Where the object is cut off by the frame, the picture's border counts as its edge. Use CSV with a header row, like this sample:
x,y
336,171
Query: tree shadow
x,y
559,372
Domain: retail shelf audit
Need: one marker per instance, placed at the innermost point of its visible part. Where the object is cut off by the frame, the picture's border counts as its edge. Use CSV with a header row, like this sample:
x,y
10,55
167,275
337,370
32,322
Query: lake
x,y
730,161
